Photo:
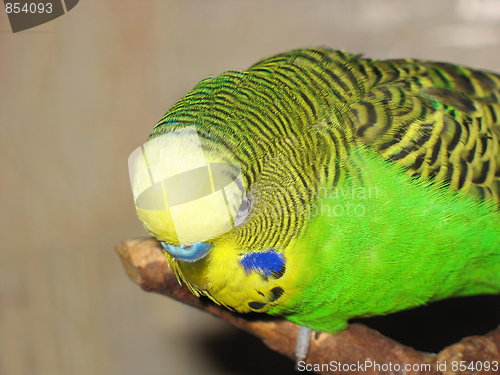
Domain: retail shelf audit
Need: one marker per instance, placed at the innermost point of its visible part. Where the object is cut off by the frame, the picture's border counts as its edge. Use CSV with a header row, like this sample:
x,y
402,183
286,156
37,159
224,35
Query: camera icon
x,y
27,14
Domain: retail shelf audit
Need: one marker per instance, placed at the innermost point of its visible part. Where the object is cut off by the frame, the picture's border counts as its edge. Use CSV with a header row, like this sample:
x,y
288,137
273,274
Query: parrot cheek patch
x,y
268,263
263,262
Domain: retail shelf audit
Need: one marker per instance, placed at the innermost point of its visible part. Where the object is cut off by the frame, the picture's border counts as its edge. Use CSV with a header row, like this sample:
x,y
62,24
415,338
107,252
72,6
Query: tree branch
x,y
145,264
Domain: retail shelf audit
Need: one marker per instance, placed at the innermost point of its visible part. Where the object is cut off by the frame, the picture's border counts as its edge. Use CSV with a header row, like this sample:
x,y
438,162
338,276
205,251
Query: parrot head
x,y
228,198
192,196
187,194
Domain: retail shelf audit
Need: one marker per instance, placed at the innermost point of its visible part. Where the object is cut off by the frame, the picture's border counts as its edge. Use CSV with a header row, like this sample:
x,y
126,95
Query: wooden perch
x,y
356,346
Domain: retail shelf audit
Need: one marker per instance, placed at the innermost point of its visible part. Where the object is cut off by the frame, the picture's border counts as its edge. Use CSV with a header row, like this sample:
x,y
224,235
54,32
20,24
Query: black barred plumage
x,y
455,101
437,120
314,133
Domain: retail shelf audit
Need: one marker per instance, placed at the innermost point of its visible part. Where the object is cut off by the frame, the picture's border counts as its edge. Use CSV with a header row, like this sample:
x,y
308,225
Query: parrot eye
x,y
188,253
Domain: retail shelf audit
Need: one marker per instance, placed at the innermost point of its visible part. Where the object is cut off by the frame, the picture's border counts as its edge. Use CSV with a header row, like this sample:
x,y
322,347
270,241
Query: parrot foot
x,y
303,344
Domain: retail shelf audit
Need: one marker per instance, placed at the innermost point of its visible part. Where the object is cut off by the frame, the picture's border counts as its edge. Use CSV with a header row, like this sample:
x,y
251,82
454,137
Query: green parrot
x,y
321,186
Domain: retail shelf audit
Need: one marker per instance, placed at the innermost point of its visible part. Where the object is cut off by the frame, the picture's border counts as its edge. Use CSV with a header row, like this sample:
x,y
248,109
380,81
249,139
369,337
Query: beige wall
x,y
78,94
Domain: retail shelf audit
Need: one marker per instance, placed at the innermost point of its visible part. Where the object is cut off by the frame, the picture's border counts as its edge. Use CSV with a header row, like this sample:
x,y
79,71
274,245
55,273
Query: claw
x,y
303,344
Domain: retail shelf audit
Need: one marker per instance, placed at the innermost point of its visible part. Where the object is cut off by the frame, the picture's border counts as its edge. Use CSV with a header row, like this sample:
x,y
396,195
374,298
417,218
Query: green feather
x,y
389,243
377,181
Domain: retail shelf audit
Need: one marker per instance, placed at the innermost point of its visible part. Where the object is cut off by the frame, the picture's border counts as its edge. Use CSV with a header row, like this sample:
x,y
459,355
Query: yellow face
x,y
192,198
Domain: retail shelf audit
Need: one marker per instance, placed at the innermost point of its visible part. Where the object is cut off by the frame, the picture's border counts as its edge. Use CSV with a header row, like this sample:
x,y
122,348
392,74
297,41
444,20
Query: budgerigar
x,y
321,186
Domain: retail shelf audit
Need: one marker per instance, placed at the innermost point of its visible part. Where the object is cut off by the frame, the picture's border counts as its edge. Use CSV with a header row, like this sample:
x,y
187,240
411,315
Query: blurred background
x,y
80,93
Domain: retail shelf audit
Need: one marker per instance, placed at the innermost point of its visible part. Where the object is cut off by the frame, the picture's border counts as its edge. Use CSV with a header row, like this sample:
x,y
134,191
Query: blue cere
x,y
190,253
264,262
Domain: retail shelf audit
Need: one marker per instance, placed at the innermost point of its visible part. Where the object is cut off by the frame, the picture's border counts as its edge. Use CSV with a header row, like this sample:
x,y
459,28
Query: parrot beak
x,y
188,253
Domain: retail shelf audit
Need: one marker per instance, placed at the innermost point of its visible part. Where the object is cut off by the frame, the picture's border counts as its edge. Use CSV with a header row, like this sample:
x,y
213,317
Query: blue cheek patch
x,y
264,262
